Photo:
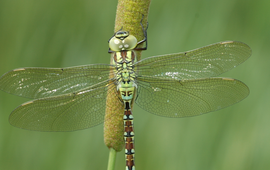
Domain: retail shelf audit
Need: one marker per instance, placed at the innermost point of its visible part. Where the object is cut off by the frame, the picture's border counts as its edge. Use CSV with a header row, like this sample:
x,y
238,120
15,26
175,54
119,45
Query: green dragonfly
x,y
173,85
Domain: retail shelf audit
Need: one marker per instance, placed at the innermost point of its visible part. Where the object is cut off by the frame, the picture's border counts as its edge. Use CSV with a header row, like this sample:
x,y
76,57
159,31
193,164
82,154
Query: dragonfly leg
x,y
145,36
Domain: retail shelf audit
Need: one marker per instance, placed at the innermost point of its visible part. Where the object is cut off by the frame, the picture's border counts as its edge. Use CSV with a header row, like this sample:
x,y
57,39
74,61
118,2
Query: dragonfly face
x,y
122,41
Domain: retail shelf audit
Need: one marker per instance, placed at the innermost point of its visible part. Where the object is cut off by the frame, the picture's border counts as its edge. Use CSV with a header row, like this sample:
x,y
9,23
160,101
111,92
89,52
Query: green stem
x,y
112,158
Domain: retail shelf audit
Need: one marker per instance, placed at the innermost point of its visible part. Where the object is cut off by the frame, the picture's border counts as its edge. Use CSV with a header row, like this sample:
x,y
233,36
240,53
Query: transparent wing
x,y
45,82
177,98
203,62
68,112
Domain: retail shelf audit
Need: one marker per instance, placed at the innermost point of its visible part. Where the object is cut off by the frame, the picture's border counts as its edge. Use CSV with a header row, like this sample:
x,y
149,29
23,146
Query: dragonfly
x,y
174,85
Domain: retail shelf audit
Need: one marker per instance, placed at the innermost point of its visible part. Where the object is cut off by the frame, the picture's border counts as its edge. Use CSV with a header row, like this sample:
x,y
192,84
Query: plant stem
x,y
112,158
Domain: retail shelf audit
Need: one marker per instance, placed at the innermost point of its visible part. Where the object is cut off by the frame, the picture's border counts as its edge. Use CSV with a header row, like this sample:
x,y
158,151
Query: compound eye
x,y
130,42
121,43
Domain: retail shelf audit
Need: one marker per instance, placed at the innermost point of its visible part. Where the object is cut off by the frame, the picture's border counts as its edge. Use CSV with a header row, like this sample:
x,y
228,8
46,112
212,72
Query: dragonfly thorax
x,y
124,69
125,74
122,41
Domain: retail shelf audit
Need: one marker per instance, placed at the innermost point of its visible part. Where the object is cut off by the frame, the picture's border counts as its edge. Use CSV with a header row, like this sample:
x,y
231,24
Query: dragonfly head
x,y
122,40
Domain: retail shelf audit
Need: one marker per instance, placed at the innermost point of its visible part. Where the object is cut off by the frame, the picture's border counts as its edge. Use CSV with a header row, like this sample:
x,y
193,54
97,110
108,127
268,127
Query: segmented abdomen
x,y
129,138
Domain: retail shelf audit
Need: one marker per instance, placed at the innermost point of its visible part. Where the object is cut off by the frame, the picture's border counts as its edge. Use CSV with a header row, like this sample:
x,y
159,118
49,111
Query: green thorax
x,y
124,57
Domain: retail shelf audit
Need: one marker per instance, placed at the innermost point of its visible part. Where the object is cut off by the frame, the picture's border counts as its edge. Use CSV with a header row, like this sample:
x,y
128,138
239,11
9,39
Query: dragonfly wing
x,y
183,98
203,62
45,82
68,112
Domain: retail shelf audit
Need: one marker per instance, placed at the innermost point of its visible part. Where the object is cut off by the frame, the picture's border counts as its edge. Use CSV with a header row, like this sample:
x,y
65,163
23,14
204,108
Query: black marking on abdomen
x,y
129,138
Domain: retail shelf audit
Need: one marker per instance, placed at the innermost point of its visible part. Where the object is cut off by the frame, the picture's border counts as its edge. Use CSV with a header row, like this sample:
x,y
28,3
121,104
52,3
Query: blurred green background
x,y
62,33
